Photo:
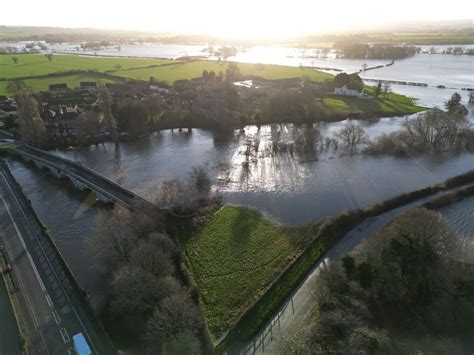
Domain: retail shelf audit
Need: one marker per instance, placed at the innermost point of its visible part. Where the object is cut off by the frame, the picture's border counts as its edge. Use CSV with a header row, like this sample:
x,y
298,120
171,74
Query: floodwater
x,y
461,217
289,188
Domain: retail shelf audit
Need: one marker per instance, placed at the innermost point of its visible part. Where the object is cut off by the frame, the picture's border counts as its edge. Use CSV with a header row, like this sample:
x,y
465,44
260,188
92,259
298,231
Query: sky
x,y
240,18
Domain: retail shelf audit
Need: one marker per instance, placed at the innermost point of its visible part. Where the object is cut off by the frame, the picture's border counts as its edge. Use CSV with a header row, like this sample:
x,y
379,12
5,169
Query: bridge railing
x,y
114,191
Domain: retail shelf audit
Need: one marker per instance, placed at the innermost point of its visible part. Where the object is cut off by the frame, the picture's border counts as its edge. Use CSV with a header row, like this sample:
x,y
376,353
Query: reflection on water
x,y
286,185
246,169
69,216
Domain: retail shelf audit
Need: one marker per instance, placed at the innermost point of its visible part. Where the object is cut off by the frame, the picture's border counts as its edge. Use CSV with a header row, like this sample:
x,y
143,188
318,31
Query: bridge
x,y
83,178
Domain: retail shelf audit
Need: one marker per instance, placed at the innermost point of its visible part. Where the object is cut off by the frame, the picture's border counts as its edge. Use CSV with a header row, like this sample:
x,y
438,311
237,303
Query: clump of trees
x,y
352,136
184,197
351,81
306,141
356,50
132,117
433,131
31,126
147,299
89,128
406,291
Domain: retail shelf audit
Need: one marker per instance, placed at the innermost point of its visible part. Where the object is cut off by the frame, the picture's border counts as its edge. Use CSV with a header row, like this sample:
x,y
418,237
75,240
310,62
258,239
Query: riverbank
x,y
214,247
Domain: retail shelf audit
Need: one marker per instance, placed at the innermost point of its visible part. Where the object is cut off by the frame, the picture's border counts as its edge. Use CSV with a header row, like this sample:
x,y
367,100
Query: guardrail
x,y
82,177
49,244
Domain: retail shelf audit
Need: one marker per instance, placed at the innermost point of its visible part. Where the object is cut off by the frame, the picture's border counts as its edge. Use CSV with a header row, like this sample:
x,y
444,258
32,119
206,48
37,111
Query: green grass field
x,y
37,68
42,84
188,70
36,64
394,104
33,65
234,258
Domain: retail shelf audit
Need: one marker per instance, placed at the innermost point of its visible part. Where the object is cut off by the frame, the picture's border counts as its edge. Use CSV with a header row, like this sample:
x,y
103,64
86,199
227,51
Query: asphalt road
x,y
45,302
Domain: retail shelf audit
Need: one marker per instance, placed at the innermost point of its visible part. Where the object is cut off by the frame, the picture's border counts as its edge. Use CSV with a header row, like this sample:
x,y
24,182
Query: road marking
x,y
35,270
64,335
48,299
56,317
46,320
22,287
61,286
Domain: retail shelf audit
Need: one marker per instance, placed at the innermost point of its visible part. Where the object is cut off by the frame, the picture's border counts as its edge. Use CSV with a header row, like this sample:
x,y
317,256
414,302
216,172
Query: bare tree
x,y
177,197
435,129
88,127
113,239
31,125
352,135
305,140
133,290
232,73
198,179
176,318
386,88
152,258
106,109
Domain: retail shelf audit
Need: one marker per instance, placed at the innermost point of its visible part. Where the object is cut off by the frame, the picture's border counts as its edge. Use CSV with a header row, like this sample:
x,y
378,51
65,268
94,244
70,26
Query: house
x,y
6,114
344,91
163,90
88,85
58,88
59,119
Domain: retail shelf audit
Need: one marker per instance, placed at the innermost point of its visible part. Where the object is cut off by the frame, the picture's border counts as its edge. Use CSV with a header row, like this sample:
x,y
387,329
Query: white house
x,y
348,92
161,90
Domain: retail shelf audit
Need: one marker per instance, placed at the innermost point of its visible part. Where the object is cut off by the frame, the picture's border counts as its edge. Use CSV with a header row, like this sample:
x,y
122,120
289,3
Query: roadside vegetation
x,y
151,305
407,291
149,308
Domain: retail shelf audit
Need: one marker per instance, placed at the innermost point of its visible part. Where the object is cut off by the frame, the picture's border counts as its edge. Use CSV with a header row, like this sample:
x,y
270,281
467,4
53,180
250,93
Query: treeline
x,y
356,50
454,51
432,131
407,291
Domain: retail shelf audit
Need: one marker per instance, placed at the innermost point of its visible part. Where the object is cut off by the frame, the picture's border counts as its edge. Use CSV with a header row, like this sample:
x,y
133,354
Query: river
x,y
288,189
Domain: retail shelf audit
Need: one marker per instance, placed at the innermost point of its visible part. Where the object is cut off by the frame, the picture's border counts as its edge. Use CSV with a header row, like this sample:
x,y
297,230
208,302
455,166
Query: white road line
x,y
28,301
56,317
64,335
48,299
51,267
35,270
25,294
